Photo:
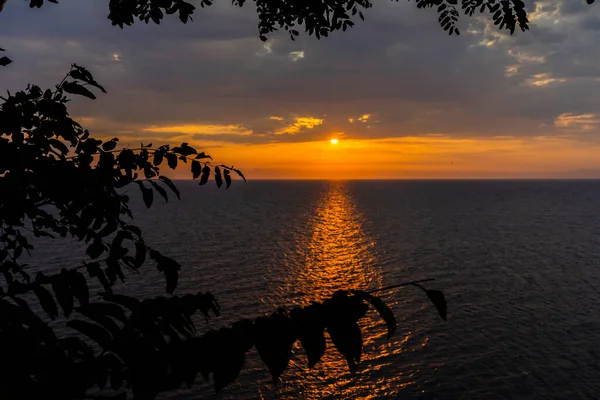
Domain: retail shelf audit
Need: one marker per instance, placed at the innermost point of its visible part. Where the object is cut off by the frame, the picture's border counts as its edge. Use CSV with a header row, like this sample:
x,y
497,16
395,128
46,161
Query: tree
x,y
57,180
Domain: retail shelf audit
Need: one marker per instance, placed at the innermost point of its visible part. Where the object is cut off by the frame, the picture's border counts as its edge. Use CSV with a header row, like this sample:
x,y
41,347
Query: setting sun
x,y
334,141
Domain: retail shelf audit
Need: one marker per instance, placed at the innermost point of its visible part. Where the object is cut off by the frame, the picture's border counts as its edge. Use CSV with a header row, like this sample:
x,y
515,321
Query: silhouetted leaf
x,y
110,145
342,312
147,194
245,332
95,271
4,61
171,186
218,177
63,293
384,311
202,156
309,323
196,169
77,89
169,267
230,358
158,157
83,74
96,249
93,331
79,287
227,176
439,301
160,190
171,160
274,339
46,301
205,175
237,171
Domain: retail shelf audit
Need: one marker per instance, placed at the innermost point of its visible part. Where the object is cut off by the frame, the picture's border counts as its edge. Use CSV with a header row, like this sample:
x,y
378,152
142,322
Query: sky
x,y
403,99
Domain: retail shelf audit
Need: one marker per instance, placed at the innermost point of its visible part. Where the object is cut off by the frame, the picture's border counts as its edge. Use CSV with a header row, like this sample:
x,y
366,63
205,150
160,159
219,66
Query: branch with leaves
x,y
63,182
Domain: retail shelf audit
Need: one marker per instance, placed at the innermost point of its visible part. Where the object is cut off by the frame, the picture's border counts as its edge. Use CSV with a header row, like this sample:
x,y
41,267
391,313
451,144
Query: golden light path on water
x,y
335,253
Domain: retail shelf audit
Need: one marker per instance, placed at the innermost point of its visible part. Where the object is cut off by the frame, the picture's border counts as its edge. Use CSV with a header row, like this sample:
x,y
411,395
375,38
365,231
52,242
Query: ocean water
x,y
518,261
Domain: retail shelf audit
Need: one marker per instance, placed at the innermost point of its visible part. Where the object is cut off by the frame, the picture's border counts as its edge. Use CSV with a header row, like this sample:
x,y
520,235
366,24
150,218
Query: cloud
x,y
583,122
298,124
200,129
296,55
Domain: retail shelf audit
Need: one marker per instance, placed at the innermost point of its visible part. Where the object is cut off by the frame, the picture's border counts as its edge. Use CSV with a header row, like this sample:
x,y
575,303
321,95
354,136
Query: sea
x,y
518,262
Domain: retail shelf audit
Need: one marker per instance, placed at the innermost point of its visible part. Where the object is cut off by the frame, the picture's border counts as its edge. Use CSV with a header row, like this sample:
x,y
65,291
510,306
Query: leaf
x,y
342,313
57,144
93,331
63,293
439,301
347,339
230,358
237,171
147,194
77,89
83,74
205,175
46,301
171,160
202,156
160,190
95,271
169,267
309,323
227,175
274,339
171,185
384,311
4,61
158,157
110,145
96,249
196,169
218,177
79,287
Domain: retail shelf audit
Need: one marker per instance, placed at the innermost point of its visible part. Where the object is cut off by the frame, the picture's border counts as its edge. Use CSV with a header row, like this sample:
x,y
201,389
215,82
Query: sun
x,y
334,141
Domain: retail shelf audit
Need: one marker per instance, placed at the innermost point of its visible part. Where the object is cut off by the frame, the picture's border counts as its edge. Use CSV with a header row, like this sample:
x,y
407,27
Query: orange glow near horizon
x,y
334,141
412,157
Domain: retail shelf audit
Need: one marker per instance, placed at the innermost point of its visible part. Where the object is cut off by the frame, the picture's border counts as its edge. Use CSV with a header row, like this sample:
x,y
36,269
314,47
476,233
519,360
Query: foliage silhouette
x,y
58,181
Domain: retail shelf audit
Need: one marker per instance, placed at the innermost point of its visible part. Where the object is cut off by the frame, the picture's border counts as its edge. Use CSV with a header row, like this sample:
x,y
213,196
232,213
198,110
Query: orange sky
x,y
428,157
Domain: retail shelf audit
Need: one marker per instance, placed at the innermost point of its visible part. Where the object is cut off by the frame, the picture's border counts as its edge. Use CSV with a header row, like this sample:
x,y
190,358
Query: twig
x,y
400,285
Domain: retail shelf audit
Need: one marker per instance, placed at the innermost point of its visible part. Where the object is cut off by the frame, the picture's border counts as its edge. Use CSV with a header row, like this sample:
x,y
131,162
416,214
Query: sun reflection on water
x,y
336,253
